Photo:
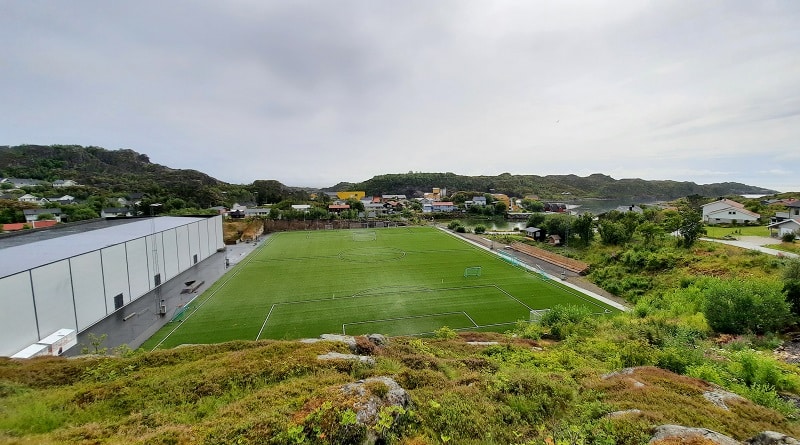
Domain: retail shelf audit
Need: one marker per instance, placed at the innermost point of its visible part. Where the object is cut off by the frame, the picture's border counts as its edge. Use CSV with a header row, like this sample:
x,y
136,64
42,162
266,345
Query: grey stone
x,y
627,412
377,339
772,438
676,431
339,356
719,396
624,371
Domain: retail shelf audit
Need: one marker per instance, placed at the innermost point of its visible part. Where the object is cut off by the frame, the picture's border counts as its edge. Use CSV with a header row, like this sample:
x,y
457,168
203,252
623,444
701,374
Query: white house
x,y
443,206
28,198
33,214
301,207
64,183
115,212
784,227
725,211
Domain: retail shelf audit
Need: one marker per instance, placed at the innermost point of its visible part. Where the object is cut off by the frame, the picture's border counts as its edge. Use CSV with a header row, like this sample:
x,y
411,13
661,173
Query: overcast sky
x,y
315,92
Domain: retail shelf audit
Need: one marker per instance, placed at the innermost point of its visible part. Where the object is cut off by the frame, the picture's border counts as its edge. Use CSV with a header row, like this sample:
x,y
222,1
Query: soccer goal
x,y
328,226
474,271
365,236
537,314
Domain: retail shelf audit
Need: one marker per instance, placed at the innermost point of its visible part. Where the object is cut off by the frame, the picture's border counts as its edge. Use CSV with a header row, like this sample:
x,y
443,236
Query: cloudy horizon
x,y
312,93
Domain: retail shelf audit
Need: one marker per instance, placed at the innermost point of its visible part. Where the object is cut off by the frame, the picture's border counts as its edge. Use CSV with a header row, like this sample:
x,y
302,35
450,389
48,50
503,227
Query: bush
x,y
741,306
461,229
788,237
479,229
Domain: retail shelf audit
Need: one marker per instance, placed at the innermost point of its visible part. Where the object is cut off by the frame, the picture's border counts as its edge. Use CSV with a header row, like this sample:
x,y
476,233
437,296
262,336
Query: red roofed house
x,y
336,208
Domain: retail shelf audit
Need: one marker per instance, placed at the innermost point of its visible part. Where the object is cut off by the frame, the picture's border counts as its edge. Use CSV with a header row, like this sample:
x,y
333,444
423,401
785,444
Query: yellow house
x,y
347,195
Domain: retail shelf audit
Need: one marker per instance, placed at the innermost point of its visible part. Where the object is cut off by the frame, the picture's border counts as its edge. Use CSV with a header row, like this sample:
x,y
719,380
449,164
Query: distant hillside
x,y
124,171
115,171
547,187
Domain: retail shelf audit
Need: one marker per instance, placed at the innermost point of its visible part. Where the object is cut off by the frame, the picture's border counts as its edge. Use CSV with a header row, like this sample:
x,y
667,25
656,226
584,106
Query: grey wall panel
x,y
52,294
87,284
171,267
218,232
17,316
202,234
184,257
138,267
115,274
194,242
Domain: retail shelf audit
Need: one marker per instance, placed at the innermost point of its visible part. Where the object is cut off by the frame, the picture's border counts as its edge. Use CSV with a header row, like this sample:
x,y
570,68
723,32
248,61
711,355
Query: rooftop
x,y
33,249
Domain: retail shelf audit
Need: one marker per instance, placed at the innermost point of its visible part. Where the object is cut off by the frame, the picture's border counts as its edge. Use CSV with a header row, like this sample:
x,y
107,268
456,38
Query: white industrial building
x,y
83,278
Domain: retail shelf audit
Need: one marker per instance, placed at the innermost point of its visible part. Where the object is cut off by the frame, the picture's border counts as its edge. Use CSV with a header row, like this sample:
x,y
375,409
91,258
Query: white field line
x,y
265,322
227,279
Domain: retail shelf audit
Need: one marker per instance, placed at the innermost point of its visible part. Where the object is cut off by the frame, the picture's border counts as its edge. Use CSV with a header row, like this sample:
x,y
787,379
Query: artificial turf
x,y
401,281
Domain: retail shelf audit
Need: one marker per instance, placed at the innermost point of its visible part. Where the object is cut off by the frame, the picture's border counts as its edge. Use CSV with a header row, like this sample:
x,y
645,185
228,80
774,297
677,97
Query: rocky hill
x,y
548,187
464,389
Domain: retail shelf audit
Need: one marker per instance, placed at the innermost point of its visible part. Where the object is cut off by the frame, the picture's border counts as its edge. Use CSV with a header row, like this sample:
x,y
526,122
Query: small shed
x,y
554,240
535,233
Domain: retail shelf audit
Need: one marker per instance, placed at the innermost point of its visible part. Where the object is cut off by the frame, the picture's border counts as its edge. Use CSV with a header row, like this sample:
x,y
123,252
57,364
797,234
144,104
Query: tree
x,y
558,225
535,220
612,233
45,216
500,208
691,226
583,226
532,205
740,306
650,232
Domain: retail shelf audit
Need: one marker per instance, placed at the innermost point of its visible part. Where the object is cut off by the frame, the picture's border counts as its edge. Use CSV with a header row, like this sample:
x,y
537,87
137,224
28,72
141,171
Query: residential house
x,y
781,228
554,240
630,208
64,183
786,222
373,209
386,198
301,207
63,200
555,207
726,211
443,206
479,200
33,199
792,211
24,182
33,214
115,212
337,208
436,194
256,212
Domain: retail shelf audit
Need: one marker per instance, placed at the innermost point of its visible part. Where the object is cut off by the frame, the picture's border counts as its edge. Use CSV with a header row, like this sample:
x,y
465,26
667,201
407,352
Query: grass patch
x,y
735,231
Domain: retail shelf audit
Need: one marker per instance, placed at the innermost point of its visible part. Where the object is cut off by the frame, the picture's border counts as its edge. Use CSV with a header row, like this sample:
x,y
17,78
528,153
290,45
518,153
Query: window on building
x,y
195,259
157,279
117,301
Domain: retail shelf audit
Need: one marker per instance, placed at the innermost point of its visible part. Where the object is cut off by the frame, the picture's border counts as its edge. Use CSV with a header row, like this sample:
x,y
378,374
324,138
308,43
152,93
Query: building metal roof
x,y
17,255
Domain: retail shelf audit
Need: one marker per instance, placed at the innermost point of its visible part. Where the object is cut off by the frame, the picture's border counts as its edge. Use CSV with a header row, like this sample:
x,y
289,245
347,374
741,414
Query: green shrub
x,y
739,306
480,229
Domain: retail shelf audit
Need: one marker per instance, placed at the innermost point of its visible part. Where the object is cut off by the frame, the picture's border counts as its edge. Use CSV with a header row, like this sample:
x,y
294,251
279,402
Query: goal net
x,y
474,271
537,314
364,236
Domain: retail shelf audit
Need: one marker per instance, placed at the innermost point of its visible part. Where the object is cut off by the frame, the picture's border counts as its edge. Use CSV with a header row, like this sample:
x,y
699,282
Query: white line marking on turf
x,y
470,318
265,322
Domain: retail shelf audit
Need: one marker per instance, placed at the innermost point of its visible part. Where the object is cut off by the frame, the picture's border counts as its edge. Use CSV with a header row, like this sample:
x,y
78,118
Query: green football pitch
x,y
394,281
